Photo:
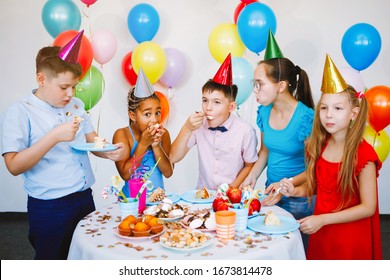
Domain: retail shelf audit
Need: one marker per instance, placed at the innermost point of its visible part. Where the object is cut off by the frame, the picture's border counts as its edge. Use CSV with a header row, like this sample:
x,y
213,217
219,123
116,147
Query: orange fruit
x,y
130,219
147,218
141,226
154,222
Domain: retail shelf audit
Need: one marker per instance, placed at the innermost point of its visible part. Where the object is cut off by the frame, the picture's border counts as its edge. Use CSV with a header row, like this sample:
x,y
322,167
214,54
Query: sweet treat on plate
x,y
99,142
166,210
157,195
77,119
203,193
200,219
183,238
271,219
141,229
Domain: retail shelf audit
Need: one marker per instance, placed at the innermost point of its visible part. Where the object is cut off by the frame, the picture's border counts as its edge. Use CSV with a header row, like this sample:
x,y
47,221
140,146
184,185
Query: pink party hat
x,y
224,74
70,51
143,88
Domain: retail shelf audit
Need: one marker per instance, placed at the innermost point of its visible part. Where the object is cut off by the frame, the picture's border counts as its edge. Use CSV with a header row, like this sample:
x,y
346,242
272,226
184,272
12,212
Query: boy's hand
x,y
118,154
194,121
66,132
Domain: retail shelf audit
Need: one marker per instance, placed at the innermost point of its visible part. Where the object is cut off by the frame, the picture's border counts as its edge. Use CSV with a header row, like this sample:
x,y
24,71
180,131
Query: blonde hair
x,y
347,173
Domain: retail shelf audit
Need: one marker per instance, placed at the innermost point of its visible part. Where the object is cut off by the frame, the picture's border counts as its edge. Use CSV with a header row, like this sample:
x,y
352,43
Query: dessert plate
x,y
133,238
287,224
190,196
200,229
90,147
172,196
186,248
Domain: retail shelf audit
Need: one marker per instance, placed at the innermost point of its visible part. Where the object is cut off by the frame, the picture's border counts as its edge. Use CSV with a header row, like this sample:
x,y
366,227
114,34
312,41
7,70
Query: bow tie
x,y
220,128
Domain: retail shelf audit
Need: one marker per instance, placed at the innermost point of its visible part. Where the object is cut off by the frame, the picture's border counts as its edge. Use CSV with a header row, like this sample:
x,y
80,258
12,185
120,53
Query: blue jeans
x,y
52,222
299,207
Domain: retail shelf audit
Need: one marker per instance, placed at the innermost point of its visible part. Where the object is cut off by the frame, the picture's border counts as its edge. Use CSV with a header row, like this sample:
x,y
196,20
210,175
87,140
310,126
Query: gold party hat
x,y
332,81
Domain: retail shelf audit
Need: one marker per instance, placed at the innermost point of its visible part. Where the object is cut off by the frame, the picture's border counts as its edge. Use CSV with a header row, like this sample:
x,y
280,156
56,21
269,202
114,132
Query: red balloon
x,y
241,6
85,53
164,105
378,98
128,70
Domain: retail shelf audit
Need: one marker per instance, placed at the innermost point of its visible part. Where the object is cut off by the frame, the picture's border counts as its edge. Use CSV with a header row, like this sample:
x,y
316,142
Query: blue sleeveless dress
x,y
147,164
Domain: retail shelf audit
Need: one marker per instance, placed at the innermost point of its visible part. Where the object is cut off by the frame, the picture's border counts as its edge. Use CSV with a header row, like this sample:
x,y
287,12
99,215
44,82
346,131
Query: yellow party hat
x,y
332,81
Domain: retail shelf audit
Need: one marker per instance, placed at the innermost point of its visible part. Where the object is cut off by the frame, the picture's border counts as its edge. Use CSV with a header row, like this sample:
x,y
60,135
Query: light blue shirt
x,y
62,170
286,155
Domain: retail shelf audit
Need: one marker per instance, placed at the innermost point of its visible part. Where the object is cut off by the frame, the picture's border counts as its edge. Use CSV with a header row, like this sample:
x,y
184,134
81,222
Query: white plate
x,y
171,219
172,196
188,249
133,238
200,229
190,196
90,147
254,215
287,224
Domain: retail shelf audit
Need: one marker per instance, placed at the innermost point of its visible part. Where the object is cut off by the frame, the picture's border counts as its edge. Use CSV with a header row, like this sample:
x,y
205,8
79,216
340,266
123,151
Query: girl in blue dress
x,y
285,119
145,139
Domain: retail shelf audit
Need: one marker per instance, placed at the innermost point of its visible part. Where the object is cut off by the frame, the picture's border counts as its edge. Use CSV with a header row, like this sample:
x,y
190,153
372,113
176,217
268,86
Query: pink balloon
x,y
104,45
353,78
175,67
88,2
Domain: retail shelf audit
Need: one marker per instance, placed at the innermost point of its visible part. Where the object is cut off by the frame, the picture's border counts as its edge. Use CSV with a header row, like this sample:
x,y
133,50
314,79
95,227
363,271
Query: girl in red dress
x,y
342,170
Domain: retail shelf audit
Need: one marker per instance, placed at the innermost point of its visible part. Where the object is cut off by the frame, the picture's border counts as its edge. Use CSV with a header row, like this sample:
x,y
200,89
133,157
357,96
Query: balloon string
x,y
373,144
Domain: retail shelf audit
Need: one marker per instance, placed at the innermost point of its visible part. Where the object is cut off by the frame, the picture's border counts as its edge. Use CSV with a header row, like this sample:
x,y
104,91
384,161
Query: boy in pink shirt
x,y
226,143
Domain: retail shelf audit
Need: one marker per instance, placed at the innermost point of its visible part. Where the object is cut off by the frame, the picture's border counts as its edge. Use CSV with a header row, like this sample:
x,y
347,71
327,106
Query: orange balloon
x,y
378,98
85,53
164,105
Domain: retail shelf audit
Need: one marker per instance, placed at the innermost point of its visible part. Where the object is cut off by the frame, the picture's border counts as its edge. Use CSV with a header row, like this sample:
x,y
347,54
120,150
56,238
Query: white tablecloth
x,y
95,239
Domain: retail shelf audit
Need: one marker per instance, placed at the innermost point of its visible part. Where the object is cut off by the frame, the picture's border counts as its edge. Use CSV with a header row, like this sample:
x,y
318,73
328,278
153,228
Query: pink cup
x,y
134,187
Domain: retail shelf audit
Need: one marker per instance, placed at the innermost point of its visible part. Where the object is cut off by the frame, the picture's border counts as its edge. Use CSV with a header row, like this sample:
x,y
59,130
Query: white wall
x,y
306,31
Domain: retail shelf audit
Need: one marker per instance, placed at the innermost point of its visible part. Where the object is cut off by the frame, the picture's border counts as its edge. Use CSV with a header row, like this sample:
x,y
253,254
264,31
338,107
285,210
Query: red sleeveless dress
x,y
358,240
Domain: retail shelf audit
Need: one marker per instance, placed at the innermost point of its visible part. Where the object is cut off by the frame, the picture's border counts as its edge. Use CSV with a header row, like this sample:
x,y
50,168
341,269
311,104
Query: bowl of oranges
x,y
134,228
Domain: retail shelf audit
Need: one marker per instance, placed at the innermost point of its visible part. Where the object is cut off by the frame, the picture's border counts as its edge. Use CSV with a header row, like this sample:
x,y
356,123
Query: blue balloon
x,y
254,23
59,16
143,22
242,75
361,45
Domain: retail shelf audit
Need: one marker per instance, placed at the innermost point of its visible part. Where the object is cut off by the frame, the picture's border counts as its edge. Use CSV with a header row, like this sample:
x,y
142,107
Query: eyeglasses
x,y
256,86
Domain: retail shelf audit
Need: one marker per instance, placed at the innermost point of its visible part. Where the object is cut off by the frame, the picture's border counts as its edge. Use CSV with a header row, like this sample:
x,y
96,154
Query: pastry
x,y
99,142
77,119
157,195
203,193
271,219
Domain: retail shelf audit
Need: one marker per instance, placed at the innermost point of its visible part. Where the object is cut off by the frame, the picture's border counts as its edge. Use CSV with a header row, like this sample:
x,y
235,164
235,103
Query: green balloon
x,y
90,88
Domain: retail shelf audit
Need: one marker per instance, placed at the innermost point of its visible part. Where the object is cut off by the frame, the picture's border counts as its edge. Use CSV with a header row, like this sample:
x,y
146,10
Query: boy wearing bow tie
x,y
226,143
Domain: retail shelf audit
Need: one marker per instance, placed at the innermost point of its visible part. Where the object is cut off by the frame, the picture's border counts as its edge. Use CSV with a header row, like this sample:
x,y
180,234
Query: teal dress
x,y
147,164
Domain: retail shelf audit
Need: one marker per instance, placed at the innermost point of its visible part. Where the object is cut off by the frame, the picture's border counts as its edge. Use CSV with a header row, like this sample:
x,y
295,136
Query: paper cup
x,y
241,218
134,187
128,208
225,221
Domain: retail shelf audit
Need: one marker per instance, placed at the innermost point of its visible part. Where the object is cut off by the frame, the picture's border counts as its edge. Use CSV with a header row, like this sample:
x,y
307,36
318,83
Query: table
x,y
94,239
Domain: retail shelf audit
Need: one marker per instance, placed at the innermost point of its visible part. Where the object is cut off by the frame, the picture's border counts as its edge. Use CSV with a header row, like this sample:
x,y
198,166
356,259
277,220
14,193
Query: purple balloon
x,y
175,67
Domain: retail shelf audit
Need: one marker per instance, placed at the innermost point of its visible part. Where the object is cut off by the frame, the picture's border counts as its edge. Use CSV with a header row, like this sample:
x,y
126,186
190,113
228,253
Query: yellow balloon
x,y
379,141
224,39
152,58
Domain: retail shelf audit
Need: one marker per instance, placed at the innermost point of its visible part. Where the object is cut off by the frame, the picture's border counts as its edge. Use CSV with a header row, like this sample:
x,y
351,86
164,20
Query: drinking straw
x,y
147,184
148,174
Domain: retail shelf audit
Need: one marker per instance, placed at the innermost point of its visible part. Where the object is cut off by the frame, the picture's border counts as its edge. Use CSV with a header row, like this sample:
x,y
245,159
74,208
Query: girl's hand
x,y
148,135
194,121
158,136
287,187
274,195
311,224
